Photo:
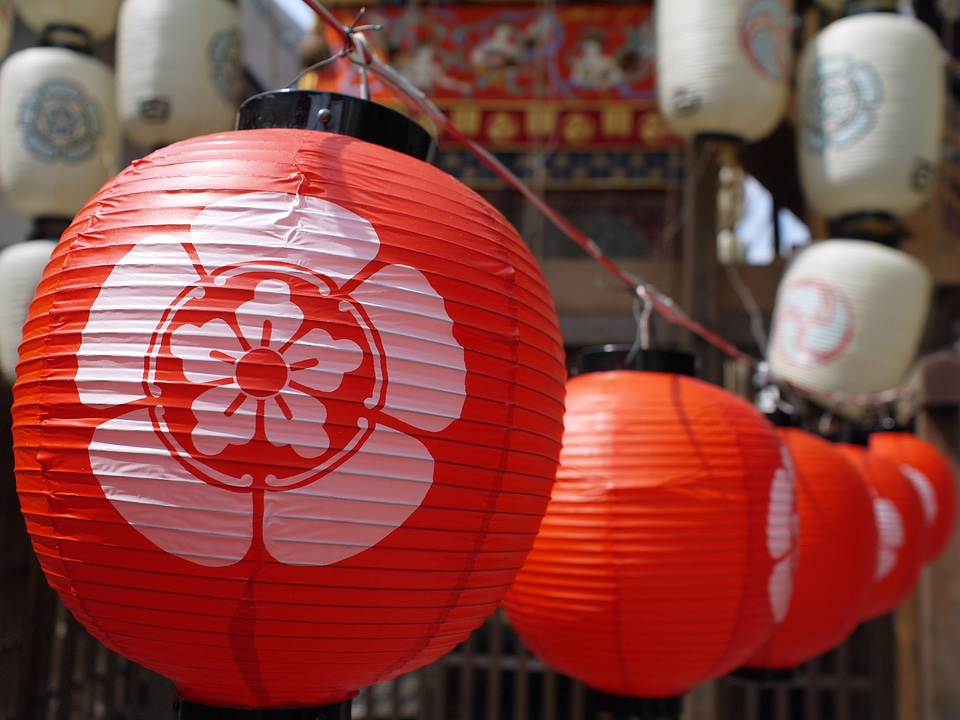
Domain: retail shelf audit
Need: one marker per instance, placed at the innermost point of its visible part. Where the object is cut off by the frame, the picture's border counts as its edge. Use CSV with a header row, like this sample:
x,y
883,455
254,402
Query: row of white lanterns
x,y
849,311
724,69
64,113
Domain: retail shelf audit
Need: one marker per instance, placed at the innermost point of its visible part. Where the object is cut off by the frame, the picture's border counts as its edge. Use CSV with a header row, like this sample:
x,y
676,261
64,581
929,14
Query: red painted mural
x,y
518,75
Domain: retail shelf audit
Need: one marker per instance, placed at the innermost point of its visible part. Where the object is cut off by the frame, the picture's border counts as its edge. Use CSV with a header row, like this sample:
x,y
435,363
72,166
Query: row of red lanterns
x,y
687,537
866,160
288,414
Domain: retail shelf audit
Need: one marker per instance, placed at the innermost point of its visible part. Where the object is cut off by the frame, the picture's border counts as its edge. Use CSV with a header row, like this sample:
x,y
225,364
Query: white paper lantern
x,y
848,317
871,94
724,66
21,266
59,138
178,69
98,18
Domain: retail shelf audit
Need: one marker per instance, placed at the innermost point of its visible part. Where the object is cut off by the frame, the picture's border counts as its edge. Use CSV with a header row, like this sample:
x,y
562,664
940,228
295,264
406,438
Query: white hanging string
x,y
642,310
757,330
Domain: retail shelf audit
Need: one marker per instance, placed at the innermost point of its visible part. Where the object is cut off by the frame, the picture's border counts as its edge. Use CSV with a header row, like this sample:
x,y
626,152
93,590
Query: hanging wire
x,y
358,51
316,66
757,330
825,423
642,310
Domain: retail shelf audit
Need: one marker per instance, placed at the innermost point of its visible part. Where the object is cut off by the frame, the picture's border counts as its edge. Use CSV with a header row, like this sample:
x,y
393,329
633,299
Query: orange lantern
x,y
901,534
933,479
288,408
667,550
838,550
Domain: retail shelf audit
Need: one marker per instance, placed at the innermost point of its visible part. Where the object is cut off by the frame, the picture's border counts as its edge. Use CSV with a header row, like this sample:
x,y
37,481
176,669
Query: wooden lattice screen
x,y
489,677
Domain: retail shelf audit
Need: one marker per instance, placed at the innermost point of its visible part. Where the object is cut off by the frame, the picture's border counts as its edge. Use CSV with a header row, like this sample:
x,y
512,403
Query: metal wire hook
x,y
642,309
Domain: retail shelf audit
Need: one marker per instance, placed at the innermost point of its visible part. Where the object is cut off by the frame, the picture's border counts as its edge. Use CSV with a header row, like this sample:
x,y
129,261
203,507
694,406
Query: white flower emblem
x,y
256,366
267,374
892,534
928,495
782,530
842,100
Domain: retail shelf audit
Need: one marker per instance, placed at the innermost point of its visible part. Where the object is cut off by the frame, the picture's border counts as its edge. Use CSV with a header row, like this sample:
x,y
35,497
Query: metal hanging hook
x,y
642,310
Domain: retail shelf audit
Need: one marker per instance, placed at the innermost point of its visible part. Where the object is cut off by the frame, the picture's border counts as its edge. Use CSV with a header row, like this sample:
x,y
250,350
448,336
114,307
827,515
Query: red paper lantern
x,y
933,479
288,412
901,534
666,553
838,550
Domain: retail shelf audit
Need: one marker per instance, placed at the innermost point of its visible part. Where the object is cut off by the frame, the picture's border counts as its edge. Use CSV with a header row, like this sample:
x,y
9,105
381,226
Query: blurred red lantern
x,y
901,534
838,550
667,550
288,409
932,477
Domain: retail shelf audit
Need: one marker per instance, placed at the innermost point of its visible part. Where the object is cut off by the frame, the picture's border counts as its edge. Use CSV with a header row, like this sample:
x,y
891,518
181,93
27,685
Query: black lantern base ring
x,y
194,711
768,676
640,708
604,358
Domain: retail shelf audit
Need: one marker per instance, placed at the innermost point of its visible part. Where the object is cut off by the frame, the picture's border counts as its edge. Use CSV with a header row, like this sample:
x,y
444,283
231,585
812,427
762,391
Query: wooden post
x,y
700,280
929,631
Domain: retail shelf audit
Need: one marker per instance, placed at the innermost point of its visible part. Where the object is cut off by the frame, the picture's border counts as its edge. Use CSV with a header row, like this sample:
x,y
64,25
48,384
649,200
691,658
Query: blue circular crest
x,y
224,58
841,103
60,122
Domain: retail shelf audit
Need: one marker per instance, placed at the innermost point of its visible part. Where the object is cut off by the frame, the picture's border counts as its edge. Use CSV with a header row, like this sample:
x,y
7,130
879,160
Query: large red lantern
x,y
667,550
932,477
901,533
288,409
838,551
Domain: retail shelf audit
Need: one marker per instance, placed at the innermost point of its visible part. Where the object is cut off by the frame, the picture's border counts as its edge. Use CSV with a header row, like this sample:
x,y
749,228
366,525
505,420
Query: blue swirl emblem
x,y
764,30
224,58
60,122
841,103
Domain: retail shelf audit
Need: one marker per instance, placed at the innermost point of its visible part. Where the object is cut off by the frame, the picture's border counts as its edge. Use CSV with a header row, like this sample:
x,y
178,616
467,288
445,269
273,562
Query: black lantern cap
x,y
768,676
878,227
641,708
783,419
603,358
859,7
195,711
66,36
341,114
48,227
